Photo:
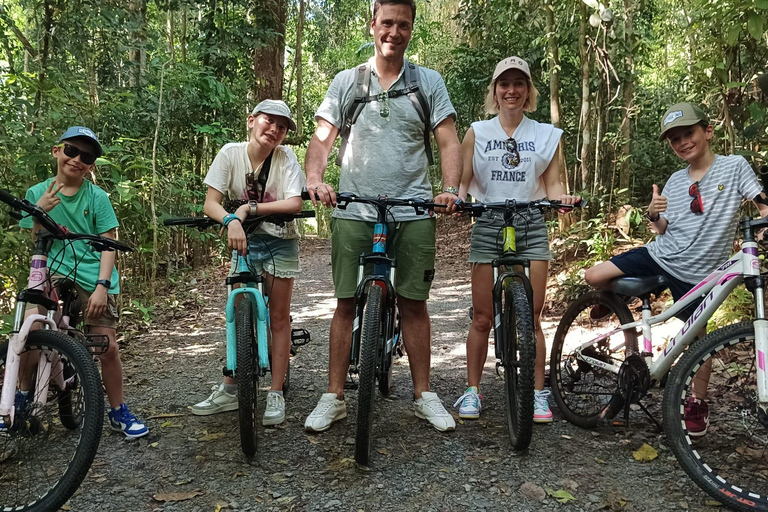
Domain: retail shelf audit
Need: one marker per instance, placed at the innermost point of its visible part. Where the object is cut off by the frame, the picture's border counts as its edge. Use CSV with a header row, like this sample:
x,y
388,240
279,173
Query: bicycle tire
x,y
586,394
247,374
42,463
519,352
728,463
70,410
369,349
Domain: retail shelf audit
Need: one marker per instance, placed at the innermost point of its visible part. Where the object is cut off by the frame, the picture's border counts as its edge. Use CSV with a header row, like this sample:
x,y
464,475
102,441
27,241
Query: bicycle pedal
x,y
400,351
299,337
620,423
96,344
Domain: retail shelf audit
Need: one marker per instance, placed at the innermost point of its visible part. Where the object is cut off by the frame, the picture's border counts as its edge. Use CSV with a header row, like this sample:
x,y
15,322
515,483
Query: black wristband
x,y
650,218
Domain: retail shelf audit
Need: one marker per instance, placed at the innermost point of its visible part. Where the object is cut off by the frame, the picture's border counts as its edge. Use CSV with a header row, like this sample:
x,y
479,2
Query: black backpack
x,y
360,97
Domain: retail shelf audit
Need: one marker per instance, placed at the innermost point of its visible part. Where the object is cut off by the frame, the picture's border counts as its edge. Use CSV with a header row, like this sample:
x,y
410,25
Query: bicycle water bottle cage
x,y
38,298
641,287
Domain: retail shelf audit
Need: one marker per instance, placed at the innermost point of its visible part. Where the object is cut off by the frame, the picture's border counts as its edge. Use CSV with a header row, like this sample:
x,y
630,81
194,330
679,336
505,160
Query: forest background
x,y
166,83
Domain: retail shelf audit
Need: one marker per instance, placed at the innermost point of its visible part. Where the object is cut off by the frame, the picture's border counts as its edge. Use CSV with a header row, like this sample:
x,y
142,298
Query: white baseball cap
x,y
512,63
276,108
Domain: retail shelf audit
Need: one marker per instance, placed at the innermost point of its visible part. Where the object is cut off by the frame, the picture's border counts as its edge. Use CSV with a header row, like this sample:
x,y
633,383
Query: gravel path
x,y
189,463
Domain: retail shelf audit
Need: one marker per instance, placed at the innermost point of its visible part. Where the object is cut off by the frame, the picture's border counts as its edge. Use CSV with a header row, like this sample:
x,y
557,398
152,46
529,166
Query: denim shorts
x,y
531,238
275,256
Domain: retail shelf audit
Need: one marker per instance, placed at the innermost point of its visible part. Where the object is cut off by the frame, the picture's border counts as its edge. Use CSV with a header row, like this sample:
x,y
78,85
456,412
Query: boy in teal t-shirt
x,y
83,207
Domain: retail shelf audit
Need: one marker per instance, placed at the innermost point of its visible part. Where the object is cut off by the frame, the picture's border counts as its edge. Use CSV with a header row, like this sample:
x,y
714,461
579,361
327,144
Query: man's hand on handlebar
x,y
449,200
321,192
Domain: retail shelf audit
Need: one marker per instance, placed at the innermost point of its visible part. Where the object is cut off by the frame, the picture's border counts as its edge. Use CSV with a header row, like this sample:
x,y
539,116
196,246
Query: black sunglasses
x,y
72,152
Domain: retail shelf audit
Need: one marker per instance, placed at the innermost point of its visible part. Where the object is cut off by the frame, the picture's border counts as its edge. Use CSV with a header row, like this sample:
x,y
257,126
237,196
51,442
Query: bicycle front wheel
x,y
43,459
247,374
729,459
369,349
586,393
519,352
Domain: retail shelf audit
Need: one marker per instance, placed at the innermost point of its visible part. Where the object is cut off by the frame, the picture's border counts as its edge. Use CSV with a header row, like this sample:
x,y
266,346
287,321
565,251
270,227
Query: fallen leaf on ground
x,y
285,500
168,415
313,439
382,451
645,453
561,495
211,437
177,496
532,491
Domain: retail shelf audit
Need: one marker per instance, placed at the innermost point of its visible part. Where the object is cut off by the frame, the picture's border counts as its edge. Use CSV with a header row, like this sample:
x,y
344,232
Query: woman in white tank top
x,y
493,173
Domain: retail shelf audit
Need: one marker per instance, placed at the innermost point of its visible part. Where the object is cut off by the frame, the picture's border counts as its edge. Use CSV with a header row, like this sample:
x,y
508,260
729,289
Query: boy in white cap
x,y
83,207
261,177
696,222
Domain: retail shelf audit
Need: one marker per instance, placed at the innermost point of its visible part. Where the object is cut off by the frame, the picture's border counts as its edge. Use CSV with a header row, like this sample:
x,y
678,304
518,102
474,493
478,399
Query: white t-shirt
x,y
285,180
695,244
496,177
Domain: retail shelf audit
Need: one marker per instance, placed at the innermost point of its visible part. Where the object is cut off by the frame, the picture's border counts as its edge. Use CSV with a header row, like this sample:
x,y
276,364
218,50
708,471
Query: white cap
x,y
276,108
512,63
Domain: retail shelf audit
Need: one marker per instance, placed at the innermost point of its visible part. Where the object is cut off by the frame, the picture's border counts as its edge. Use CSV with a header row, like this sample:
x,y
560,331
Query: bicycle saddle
x,y
641,287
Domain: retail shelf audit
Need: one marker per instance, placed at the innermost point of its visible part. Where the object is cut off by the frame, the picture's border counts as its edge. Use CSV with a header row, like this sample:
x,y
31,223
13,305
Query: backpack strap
x,y
264,176
360,98
414,92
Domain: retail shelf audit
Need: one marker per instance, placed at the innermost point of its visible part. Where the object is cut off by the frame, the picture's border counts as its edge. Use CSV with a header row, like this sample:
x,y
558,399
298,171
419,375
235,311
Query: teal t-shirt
x,y
88,211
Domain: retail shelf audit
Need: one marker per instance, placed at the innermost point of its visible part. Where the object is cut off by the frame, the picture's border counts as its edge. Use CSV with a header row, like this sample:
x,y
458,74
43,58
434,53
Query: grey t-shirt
x,y
385,156
694,245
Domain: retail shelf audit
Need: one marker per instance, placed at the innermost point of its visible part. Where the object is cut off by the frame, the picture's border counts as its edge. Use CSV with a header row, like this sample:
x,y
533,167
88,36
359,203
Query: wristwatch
x,y
451,190
254,207
651,218
105,282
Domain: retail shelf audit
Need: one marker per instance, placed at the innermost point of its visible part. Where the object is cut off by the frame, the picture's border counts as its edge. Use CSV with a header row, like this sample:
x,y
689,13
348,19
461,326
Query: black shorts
x,y
639,263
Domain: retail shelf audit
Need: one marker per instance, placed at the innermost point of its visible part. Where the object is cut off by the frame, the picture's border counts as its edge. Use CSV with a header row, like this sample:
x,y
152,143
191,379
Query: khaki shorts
x,y
412,244
109,318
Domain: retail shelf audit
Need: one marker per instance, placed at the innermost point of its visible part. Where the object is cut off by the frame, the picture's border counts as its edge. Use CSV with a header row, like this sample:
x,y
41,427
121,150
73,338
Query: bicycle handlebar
x,y
97,242
510,205
206,222
344,198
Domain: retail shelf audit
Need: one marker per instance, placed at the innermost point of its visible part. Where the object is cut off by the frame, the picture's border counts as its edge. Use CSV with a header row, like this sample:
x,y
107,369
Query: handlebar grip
x,y
6,197
762,173
179,221
305,194
581,203
305,214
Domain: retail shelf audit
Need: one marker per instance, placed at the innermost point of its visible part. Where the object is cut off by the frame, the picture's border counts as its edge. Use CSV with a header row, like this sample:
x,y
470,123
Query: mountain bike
x,y
376,334
50,432
513,329
248,331
598,370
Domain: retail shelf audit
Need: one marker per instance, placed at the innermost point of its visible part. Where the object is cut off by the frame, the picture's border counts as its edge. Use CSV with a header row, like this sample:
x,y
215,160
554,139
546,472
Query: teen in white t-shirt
x,y
508,157
234,173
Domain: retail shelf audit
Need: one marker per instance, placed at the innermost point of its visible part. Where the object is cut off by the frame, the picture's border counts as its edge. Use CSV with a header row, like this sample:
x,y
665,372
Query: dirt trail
x,y
195,462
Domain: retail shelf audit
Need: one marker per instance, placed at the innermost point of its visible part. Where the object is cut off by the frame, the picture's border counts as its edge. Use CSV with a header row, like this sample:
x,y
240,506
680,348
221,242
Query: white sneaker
x,y
219,401
541,411
327,410
471,404
274,414
430,408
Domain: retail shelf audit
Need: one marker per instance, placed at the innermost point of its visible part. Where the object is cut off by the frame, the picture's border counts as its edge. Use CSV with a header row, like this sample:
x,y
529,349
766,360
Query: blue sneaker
x,y
21,403
121,420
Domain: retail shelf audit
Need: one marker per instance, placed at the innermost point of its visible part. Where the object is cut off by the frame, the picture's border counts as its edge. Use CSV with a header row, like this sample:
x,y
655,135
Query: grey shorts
x,y
275,256
488,238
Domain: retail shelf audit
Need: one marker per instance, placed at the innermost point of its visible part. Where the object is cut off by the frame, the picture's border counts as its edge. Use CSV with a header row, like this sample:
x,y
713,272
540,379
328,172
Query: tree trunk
x,y
626,121
170,28
184,15
44,53
268,59
299,88
584,119
137,54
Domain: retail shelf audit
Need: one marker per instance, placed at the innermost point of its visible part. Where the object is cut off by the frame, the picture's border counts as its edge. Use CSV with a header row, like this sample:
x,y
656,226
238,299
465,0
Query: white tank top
x,y
498,176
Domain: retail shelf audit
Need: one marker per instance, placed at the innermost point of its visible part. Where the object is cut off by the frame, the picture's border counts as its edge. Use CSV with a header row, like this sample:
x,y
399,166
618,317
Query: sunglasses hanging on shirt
x,y
697,204
512,157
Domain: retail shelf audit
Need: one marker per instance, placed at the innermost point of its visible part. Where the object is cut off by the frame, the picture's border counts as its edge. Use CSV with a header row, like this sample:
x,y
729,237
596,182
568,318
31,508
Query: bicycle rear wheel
x,y
247,374
585,393
369,349
730,462
519,352
42,461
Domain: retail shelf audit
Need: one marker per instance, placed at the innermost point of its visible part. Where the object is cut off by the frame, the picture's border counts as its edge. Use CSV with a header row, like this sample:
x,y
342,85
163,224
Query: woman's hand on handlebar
x,y
570,200
50,199
236,238
322,192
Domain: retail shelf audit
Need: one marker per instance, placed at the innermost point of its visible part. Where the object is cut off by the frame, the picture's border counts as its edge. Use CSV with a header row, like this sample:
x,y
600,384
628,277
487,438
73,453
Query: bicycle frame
x,y
38,281
743,265
253,286
383,275
500,275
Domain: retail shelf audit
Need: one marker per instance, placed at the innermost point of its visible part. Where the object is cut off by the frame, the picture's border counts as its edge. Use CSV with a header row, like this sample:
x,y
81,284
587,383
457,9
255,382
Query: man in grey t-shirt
x,y
385,155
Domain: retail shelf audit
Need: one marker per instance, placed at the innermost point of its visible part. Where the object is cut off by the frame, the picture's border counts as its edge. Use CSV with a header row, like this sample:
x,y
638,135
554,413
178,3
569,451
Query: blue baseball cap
x,y
75,132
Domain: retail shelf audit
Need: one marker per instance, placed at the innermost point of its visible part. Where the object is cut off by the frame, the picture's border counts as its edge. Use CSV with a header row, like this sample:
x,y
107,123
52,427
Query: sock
x,y
24,393
473,388
230,388
276,391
